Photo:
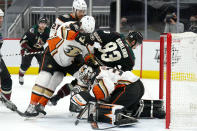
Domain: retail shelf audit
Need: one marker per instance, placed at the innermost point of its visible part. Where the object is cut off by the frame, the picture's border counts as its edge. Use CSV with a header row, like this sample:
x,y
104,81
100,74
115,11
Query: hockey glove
x,y
75,26
25,46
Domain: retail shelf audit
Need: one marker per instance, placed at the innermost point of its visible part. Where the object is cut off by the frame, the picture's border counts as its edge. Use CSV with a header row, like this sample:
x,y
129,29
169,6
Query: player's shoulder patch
x,y
31,30
66,16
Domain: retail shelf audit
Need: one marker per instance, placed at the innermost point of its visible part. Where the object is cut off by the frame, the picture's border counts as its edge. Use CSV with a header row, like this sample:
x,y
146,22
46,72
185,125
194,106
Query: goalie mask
x,y
86,74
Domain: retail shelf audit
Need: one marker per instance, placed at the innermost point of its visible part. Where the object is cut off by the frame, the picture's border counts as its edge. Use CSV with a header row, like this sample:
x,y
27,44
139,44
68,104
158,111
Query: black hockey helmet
x,y
137,36
43,20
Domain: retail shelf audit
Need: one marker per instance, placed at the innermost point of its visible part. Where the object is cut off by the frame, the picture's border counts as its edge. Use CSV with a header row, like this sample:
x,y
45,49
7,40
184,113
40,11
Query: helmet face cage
x,y
86,74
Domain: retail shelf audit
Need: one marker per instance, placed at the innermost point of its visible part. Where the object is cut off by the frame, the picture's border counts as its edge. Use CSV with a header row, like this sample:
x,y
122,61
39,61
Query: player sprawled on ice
x,y
114,50
5,78
32,44
63,55
79,9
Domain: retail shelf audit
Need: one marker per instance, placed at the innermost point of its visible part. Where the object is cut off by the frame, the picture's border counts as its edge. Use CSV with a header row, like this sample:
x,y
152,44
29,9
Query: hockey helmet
x,y
43,20
79,5
86,74
137,36
1,12
87,24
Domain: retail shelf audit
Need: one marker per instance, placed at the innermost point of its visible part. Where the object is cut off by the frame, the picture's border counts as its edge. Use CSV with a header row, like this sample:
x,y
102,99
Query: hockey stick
x,y
95,126
10,105
81,114
17,54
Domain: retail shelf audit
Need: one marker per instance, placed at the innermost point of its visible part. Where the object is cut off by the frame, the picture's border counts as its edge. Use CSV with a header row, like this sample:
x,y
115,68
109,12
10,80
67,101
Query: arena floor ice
x,y
59,118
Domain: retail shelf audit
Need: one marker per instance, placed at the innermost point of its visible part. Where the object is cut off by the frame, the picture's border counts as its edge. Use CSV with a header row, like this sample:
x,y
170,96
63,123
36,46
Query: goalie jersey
x,y
108,80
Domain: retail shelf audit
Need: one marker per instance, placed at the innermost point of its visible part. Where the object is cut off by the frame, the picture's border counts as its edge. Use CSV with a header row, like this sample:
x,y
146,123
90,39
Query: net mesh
x,y
184,81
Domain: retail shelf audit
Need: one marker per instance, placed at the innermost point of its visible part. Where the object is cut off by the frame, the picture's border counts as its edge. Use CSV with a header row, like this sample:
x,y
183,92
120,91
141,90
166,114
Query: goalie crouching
x,y
110,93
112,96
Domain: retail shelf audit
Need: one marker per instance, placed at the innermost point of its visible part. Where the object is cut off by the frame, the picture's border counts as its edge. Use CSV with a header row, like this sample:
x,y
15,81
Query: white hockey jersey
x,y
107,80
63,46
59,21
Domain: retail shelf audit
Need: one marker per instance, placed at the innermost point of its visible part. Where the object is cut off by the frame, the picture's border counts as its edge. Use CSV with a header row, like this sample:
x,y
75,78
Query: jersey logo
x,y
72,51
31,30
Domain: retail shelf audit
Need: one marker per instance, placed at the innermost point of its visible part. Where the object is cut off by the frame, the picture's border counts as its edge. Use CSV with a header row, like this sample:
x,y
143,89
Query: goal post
x,y
178,79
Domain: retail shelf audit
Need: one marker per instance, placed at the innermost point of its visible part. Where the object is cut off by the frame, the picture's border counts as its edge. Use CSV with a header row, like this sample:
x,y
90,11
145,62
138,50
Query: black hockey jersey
x,y
114,51
33,36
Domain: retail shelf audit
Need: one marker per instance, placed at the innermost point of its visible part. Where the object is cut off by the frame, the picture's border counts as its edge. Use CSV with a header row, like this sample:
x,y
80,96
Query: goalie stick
x,y
10,105
79,116
95,126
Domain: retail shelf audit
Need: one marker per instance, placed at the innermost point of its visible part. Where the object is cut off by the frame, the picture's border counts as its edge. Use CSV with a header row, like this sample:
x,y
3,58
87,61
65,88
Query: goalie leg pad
x,y
78,101
151,109
109,113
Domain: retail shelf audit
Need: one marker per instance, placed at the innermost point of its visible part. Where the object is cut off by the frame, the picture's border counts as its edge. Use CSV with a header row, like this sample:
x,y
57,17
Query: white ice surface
x,y
58,117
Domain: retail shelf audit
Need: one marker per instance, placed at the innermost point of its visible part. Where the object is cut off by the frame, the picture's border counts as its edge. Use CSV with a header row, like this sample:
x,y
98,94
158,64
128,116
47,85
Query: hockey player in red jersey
x,y
63,55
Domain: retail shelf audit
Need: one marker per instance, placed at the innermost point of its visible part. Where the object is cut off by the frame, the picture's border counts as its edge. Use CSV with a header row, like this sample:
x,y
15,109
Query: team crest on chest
x,y
72,51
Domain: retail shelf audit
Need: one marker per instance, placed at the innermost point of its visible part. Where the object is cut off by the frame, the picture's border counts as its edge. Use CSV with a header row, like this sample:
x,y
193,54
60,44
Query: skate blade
x,y
126,125
34,117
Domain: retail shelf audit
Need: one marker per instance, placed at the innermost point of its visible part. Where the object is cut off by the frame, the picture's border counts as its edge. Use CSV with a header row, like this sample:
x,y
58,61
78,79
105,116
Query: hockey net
x,y
178,79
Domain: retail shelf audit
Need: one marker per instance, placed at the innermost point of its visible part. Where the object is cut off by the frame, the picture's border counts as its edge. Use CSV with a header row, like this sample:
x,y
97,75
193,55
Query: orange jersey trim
x,y
53,43
98,93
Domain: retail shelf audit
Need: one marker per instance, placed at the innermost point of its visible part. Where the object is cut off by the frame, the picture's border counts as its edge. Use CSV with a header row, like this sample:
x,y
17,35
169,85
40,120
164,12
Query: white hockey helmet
x,y
79,5
87,24
1,12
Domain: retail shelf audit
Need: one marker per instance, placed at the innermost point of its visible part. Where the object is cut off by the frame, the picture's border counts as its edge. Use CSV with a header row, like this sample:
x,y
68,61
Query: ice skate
x,y
40,109
21,80
31,111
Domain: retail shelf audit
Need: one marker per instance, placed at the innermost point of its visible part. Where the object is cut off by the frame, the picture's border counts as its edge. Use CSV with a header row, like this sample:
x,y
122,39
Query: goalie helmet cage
x,y
178,79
